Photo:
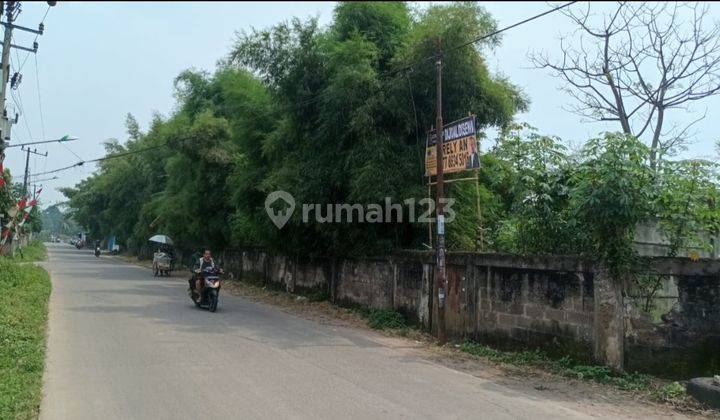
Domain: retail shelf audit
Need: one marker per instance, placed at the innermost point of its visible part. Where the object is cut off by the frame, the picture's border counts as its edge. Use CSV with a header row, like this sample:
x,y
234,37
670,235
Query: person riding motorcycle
x,y
196,281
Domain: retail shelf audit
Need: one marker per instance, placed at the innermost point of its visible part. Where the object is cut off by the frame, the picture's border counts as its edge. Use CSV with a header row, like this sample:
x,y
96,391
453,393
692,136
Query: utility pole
x,y
440,252
27,167
12,9
7,40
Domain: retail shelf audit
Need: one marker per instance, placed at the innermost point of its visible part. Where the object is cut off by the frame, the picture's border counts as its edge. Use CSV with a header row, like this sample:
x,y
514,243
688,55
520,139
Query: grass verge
x,y
34,251
24,293
655,389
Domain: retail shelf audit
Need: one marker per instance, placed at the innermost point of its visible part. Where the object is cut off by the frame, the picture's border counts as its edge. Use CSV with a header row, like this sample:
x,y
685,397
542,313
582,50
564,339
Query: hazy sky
x,y
99,61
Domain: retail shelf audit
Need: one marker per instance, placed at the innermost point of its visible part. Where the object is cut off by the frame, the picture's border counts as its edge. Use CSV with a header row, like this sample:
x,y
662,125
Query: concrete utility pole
x,y
27,167
440,253
12,9
7,40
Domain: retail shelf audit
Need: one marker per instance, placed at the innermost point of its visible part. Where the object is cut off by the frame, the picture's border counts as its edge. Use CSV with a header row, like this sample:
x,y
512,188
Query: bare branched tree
x,y
638,62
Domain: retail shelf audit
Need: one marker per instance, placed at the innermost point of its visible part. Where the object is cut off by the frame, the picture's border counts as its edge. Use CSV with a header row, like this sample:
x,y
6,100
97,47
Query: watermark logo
x,y
280,206
279,216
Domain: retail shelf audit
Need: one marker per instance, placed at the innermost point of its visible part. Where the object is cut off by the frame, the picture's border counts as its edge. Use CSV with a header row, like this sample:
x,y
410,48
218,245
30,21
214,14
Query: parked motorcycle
x,y
205,288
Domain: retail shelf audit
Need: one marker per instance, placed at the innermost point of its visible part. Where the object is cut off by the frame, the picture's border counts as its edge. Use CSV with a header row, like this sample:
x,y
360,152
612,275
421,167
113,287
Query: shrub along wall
x,y
563,304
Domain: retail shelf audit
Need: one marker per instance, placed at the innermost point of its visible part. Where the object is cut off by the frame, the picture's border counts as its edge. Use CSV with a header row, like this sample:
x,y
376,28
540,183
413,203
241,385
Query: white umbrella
x,y
161,239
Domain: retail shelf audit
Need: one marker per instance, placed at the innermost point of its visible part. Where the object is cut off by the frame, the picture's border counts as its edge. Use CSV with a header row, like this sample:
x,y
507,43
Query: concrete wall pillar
x,y
609,327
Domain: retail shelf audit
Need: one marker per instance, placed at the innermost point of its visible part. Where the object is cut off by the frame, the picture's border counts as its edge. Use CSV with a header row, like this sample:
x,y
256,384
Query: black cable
x,y
34,41
499,31
407,67
117,155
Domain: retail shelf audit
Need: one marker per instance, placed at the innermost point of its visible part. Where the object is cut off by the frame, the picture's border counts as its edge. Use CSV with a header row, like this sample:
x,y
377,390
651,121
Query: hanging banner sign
x,y
460,149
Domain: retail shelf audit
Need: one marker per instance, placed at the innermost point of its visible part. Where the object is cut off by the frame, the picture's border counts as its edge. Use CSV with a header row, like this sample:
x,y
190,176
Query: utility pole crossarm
x,y
38,31
20,47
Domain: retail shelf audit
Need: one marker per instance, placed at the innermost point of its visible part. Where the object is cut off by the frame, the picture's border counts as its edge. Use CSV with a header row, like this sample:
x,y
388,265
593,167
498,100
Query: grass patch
x,y
34,251
670,391
318,296
386,319
24,293
533,357
381,319
565,366
603,374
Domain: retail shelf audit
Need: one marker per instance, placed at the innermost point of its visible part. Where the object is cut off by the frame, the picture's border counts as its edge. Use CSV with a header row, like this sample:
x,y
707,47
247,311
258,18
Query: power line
x,y
108,157
17,100
37,82
522,22
42,22
40,107
315,98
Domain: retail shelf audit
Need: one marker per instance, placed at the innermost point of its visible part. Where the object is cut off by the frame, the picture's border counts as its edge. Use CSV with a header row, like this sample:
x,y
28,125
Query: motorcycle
x,y
208,280
97,252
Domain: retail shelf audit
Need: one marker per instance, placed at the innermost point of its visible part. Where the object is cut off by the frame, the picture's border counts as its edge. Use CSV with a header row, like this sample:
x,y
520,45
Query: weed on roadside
x,y
34,251
318,296
602,374
565,366
671,391
532,357
23,318
382,319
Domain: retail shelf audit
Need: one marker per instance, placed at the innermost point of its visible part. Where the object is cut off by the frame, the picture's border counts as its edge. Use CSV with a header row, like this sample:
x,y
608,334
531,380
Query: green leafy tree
x,y
539,179
611,194
688,204
350,128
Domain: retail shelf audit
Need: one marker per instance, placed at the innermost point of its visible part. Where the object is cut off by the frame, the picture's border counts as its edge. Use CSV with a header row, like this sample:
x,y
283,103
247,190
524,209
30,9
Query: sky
x,y
97,62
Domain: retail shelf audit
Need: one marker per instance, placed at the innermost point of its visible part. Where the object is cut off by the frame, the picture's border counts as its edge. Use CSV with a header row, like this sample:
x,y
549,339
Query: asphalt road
x,y
125,345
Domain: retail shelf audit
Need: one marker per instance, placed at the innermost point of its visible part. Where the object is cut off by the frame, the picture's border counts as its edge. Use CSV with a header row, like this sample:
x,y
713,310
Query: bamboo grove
x,y
338,114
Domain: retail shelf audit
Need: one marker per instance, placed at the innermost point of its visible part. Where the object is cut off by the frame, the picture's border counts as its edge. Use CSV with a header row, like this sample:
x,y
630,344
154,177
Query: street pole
x,y
439,188
27,167
27,172
7,40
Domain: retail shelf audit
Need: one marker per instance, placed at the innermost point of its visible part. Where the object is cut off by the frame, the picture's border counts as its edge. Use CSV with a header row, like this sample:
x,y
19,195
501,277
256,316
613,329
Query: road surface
x,y
125,345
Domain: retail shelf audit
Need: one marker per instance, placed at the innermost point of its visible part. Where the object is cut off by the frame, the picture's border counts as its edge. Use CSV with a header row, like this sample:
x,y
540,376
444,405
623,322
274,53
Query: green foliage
x,y
612,193
536,180
383,319
6,196
10,195
332,115
318,296
602,374
688,203
34,251
564,366
23,320
671,391
321,113
56,222
534,357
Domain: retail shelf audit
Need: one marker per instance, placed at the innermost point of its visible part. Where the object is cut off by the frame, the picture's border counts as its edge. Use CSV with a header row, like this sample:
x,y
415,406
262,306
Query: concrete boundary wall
x,y
565,305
